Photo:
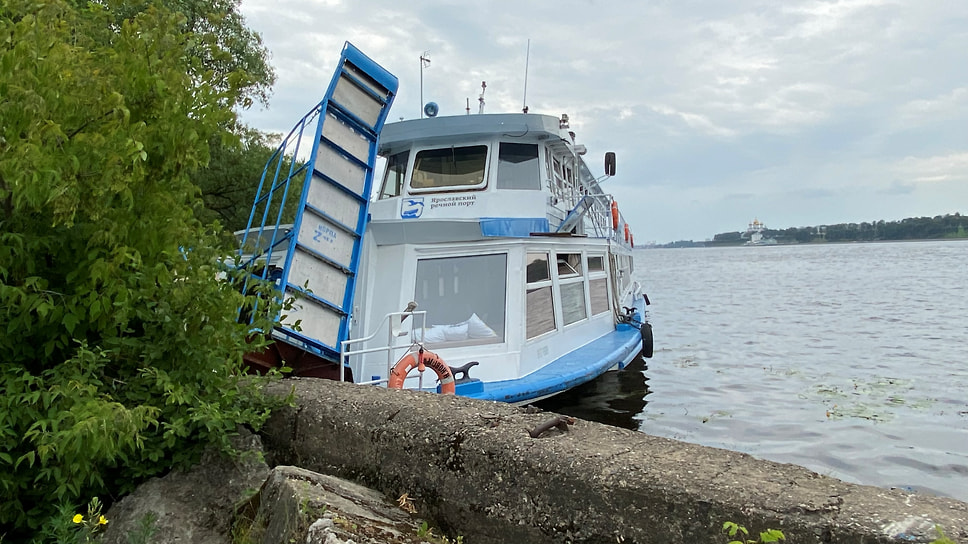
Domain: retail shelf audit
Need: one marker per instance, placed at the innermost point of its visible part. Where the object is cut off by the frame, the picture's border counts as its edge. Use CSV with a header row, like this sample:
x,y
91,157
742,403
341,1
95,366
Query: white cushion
x,y
435,334
455,333
476,328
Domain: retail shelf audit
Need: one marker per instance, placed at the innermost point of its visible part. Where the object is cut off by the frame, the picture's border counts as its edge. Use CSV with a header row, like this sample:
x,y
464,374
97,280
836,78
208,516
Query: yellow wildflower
x,y
78,518
102,521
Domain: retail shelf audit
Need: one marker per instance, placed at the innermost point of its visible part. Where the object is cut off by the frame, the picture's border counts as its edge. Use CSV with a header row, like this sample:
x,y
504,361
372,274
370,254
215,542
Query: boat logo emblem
x,y
411,208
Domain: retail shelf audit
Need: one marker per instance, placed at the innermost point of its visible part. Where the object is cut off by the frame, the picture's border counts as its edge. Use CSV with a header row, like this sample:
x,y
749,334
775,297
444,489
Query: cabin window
x,y
518,166
541,311
395,174
623,272
464,298
573,302
598,293
540,304
450,168
597,284
569,265
572,287
538,267
548,171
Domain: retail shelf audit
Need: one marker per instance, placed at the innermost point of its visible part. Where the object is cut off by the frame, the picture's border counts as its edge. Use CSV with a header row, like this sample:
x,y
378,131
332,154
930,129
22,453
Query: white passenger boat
x,y
490,262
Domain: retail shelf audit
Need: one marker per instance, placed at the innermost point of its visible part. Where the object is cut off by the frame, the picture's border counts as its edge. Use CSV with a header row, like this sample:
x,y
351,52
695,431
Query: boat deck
x,y
615,348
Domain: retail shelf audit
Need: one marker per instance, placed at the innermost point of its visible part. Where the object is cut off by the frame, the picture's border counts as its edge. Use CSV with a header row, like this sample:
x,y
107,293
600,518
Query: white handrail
x,y
393,331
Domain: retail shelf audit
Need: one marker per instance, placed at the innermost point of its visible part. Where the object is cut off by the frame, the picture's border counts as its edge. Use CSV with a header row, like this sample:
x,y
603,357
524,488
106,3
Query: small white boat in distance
x,y
489,253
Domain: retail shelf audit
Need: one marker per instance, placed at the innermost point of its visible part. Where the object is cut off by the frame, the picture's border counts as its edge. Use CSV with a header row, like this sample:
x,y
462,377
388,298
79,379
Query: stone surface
x,y
192,507
297,505
472,466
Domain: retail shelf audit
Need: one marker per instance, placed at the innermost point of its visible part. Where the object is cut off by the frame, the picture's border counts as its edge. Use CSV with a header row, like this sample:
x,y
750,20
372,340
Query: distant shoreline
x,y
689,244
912,229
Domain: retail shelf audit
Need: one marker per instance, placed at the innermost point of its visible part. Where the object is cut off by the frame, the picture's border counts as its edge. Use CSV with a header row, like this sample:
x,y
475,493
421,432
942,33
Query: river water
x,y
848,359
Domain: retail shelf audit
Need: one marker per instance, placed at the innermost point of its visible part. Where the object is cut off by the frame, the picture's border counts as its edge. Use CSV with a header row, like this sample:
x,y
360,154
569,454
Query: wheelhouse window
x,y
450,168
518,166
540,305
464,298
395,175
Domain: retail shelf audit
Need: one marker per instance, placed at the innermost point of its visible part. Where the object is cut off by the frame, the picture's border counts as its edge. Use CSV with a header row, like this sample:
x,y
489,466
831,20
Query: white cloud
x,y
951,167
944,105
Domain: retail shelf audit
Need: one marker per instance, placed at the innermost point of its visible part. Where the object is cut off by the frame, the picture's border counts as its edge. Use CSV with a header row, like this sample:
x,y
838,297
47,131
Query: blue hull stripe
x,y
575,368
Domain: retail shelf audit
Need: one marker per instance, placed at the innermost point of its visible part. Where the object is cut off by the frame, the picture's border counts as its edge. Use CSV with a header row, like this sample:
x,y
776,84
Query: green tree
x,y
225,48
120,348
228,184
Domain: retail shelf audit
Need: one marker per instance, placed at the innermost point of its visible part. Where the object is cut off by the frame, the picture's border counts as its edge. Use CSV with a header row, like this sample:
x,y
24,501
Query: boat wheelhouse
x,y
488,245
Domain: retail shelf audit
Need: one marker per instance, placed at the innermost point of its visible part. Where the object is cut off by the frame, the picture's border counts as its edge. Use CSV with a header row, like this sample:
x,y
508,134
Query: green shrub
x,y
732,529
121,351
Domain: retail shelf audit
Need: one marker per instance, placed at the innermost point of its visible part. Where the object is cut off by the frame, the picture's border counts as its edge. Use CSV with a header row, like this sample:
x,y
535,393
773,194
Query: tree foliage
x,y
230,182
229,48
120,348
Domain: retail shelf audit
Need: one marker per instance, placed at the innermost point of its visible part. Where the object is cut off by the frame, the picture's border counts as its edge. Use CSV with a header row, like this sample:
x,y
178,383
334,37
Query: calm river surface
x,y
848,359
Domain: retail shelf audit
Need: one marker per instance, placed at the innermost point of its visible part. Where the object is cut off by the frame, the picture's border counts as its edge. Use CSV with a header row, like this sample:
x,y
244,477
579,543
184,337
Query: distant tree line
x,y
912,228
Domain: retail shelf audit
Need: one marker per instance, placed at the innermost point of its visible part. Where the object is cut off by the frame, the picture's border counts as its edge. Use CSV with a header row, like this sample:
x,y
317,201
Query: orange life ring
x,y
632,240
421,359
614,215
627,235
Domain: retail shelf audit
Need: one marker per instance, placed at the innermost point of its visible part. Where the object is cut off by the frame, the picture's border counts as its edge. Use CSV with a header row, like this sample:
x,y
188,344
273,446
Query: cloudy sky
x,y
795,112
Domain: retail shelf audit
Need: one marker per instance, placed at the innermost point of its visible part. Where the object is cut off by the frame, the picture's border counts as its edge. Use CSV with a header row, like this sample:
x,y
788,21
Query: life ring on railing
x,y
421,359
632,240
627,232
614,215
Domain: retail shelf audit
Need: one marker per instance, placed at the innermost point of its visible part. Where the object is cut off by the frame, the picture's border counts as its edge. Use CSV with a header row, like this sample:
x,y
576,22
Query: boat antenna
x,y
527,58
481,99
424,62
468,105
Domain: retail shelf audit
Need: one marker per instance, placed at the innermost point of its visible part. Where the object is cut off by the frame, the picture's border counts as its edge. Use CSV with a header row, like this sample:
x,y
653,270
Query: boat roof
x,y
428,131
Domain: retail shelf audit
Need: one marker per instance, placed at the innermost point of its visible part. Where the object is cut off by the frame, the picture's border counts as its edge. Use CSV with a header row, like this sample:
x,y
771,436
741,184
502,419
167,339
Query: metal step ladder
x,y
588,203
326,162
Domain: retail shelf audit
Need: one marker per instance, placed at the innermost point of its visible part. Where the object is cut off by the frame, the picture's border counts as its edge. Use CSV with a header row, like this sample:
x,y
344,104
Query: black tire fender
x,y
646,330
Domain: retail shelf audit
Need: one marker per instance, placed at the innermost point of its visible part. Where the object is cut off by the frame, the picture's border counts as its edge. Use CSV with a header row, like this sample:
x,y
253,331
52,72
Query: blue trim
x,y
315,346
317,299
513,227
570,370
372,69
336,223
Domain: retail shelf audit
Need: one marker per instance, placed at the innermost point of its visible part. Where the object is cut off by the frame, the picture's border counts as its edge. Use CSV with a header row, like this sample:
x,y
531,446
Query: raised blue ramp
x,y
326,162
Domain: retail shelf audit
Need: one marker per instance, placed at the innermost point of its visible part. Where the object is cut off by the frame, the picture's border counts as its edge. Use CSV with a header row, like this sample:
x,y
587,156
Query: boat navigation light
x,y
563,122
